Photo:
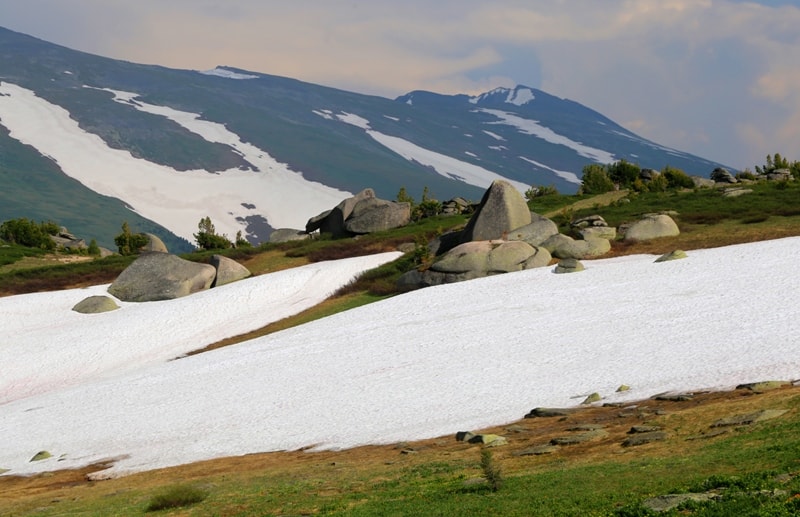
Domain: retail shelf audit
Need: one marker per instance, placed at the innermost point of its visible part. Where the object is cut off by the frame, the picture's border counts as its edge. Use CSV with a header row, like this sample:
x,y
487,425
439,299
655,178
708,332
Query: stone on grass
x,y
644,438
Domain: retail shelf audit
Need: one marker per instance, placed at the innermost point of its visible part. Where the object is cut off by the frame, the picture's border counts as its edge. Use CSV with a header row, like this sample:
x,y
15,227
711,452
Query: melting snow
x,y
174,199
532,127
520,96
494,135
424,364
569,176
445,165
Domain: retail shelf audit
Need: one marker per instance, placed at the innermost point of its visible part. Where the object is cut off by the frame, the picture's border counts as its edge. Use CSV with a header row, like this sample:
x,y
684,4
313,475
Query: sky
x,y
717,78
418,365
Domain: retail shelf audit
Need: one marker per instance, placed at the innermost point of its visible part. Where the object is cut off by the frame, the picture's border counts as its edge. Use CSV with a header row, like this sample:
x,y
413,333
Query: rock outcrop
x,y
228,270
287,235
652,226
361,214
161,276
501,210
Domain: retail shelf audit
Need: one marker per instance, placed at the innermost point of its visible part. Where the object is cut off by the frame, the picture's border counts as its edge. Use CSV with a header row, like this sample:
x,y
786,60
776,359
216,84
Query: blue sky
x,y
718,78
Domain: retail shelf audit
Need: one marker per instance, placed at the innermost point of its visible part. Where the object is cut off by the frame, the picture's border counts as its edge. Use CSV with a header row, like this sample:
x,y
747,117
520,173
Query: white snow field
x,y
423,364
181,198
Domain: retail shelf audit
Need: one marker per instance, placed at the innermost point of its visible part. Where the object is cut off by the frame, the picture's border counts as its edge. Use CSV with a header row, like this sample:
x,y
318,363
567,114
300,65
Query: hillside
x,y
97,142
391,478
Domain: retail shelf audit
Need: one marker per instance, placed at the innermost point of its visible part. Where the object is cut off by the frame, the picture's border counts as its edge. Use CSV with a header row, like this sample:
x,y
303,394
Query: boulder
x,y
501,210
589,221
780,175
565,247
228,270
568,266
652,226
375,215
154,244
721,175
287,235
700,182
161,276
736,192
332,221
535,233
96,305
598,232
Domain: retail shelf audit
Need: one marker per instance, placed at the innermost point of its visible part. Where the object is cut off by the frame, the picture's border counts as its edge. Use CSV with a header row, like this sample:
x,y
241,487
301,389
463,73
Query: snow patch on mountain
x,y
494,135
520,96
175,199
532,127
227,74
444,165
569,176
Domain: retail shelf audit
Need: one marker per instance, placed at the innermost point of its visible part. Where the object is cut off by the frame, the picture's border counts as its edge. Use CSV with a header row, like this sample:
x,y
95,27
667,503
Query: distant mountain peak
x,y
228,73
518,96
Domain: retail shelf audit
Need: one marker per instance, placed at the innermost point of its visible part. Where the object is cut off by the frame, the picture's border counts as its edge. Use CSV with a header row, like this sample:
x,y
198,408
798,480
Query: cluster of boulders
x,y
503,236
158,275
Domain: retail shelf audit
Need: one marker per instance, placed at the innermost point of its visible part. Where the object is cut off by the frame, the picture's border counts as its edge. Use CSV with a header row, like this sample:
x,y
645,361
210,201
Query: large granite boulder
x,y
501,210
154,244
375,215
161,276
475,260
536,232
332,221
565,247
722,175
96,305
651,226
228,270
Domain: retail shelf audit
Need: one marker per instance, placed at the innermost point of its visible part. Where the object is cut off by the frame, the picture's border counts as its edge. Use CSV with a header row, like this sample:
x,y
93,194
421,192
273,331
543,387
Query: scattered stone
x,y
565,247
464,436
517,429
623,387
674,397
665,503
608,233
288,235
568,266
760,387
700,182
581,437
41,455
586,427
594,397
710,434
538,450
3,471
543,412
750,418
736,192
589,221
539,230
644,438
721,175
96,305
672,255
638,429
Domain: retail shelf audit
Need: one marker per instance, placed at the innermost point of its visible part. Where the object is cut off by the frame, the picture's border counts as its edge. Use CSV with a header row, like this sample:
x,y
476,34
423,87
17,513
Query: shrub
x,y
129,243
491,470
676,178
176,497
623,172
540,191
28,233
595,180
207,238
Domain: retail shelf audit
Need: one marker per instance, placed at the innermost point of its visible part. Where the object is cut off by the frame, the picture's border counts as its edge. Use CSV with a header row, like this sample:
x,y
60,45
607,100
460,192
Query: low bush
x,y
176,497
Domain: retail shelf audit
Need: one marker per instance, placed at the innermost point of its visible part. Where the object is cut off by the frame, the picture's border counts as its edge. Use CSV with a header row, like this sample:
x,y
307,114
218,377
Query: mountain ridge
x,y
323,143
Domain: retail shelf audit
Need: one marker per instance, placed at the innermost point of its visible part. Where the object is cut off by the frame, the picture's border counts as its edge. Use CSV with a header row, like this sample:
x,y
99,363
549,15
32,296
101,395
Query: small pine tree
x,y
94,249
491,470
129,243
207,238
595,180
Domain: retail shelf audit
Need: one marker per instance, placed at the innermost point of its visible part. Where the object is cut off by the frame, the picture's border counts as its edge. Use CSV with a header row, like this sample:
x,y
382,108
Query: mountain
x,y
91,142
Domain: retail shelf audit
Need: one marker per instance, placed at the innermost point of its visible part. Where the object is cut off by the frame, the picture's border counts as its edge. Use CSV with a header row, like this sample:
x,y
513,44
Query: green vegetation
x,y
207,238
29,233
176,497
129,243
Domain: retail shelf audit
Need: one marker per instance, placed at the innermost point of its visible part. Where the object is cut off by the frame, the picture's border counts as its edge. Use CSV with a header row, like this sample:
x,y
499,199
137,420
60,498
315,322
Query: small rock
x,y
750,418
538,450
668,502
760,387
464,436
675,397
594,397
41,455
672,255
568,266
577,438
644,429
543,412
644,438
623,387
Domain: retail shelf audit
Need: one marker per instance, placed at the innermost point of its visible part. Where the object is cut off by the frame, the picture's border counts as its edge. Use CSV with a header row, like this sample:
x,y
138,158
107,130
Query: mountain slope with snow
x,y
427,363
257,152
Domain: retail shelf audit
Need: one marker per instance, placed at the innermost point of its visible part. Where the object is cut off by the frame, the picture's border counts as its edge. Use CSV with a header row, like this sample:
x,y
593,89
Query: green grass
x,y
176,497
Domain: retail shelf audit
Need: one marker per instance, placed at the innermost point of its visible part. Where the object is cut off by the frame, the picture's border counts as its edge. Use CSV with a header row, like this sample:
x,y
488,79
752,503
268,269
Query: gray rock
x,y
700,182
721,175
580,437
652,226
544,412
161,276
750,418
535,233
332,221
761,387
154,244
228,270
736,192
537,450
501,210
568,266
565,247
288,235
598,232
41,455
375,215
644,438
485,257
96,305
639,429
672,255
589,221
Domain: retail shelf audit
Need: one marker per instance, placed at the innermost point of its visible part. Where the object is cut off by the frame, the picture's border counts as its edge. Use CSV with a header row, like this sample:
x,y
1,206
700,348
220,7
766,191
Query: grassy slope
x,y
428,477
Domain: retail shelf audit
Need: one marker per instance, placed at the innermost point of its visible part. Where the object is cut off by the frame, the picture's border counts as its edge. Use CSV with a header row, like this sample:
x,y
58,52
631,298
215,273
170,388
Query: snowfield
x,y
427,363
282,196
